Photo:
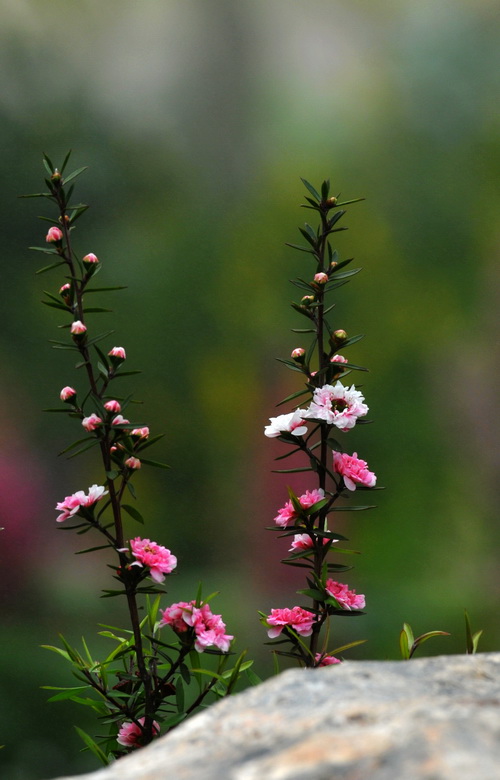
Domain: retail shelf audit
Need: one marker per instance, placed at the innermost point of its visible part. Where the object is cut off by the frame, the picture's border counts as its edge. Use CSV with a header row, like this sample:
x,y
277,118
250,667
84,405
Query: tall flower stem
x,y
118,541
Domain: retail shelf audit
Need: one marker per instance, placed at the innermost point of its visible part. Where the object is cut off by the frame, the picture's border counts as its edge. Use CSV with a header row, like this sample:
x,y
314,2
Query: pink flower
x,y
159,560
133,463
298,353
92,422
130,734
143,433
174,616
67,393
347,599
119,420
337,405
91,258
321,278
326,660
112,406
96,492
65,289
117,352
71,504
287,513
54,234
338,359
78,328
209,629
297,618
353,470
286,423
303,542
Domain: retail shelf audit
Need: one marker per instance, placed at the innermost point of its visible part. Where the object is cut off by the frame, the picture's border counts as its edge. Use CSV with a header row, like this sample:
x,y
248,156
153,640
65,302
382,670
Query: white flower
x,y
287,423
337,405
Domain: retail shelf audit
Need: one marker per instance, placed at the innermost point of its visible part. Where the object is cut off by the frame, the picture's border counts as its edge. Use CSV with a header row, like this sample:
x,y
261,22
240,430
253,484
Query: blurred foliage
x,y
197,120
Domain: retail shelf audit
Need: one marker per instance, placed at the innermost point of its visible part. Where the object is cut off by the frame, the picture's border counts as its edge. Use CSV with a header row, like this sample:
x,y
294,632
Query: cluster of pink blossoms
x,y
301,620
347,599
287,513
353,470
130,734
209,629
159,560
72,504
335,404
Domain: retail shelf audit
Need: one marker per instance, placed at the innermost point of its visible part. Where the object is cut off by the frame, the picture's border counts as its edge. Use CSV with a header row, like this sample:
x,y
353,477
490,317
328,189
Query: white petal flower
x,y
287,423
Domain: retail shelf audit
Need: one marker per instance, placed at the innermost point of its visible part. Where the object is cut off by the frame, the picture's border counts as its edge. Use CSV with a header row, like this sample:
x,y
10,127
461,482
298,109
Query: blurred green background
x,y
197,120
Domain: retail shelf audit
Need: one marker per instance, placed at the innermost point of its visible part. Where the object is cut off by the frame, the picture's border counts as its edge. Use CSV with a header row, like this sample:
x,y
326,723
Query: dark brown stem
x,y
114,496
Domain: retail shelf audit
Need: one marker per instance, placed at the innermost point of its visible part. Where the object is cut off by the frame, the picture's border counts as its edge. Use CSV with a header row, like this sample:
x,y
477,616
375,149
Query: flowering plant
x,y
328,406
149,681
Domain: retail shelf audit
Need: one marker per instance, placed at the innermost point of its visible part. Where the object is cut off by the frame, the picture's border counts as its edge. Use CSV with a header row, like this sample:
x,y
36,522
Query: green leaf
x,y
53,305
49,267
353,340
96,310
83,449
45,250
74,175
75,443
299,248
155,463
311,189
352,508
130,510
291,471
347,202
63,166
93,549
424,637
92,746
105,289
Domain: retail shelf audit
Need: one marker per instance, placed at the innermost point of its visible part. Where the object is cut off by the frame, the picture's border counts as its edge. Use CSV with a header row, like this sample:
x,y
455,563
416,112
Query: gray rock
x,y
433,718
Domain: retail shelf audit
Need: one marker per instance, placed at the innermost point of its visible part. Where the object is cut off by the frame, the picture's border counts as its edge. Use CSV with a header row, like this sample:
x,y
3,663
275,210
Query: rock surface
x,y
434,718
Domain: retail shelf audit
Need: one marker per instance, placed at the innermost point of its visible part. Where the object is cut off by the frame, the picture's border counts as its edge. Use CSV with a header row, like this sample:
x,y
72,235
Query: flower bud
x,y
78,329
333,264
133,463
142,433
331,202
54,235
91,423
91,258
112,406
339,335
65,289
338,358
56,176
298,354
321,278
307,300
117,354
119,420
67,394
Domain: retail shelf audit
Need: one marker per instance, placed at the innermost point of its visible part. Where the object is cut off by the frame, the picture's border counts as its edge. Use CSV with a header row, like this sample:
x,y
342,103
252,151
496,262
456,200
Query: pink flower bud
x,y
117,353
338,359
143,433
54,234
112,406
91,423
65,290
298,354
133,463
119,420
307,300
78,328
321,278
67,393
91,258
339,335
